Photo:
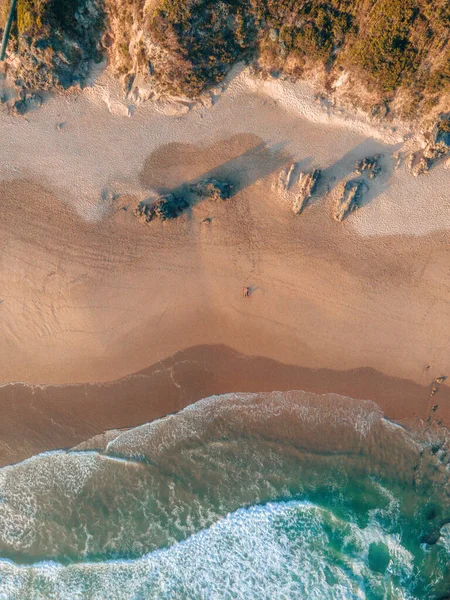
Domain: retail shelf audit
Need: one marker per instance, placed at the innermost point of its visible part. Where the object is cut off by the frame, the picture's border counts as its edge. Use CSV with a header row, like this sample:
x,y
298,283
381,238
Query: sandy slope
x,y
88,293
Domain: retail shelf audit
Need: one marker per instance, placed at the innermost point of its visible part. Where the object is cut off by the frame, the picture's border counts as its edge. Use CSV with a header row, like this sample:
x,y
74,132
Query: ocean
x,y
242,496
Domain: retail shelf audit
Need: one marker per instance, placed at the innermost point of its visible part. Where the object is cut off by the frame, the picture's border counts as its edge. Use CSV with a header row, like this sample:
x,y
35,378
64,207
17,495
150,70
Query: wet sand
x,y
40,418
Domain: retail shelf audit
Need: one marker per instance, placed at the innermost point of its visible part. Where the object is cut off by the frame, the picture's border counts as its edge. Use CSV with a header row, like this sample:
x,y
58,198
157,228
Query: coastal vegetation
x,y
394,48
33,16
55,41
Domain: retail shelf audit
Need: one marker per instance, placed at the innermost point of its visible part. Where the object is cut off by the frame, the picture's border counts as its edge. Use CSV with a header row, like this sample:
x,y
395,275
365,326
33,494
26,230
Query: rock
x,y
212,189
286,176
437,146
431,538
144,211
19,107
108,196
419,164
371,164
170,206
398,158
440,134
307,184
33,101
166,207
295,187
350,199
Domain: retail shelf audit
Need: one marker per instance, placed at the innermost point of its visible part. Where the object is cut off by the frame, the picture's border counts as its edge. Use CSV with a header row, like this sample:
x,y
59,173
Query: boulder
x,y
440,134
170,206
379,111
350,198
419,163
165,208
287,177
144,211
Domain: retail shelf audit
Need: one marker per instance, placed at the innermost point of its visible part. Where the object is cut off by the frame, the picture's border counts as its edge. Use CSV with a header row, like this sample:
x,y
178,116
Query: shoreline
x,y
42,418
89,293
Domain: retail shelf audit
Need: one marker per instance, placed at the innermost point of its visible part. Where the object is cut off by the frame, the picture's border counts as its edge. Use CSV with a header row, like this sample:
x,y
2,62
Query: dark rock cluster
x,y
170,206
25,102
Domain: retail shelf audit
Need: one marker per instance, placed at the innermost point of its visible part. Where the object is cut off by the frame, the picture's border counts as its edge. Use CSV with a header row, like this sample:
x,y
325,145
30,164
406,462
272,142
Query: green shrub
x,y
384,48
29,15
36,15
203,38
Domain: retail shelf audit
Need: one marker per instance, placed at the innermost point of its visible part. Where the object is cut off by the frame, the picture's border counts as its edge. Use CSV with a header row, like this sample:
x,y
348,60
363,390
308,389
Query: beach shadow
x,y
240,158
239,172
248,168
344,170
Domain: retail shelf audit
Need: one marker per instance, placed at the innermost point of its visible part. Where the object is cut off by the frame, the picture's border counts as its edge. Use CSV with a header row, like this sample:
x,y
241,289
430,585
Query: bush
x,y
188,45
35,15
202,38
384,48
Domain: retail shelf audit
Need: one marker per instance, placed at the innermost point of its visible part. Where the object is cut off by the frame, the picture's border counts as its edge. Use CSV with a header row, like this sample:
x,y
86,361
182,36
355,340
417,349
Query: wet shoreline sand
x,y
41,418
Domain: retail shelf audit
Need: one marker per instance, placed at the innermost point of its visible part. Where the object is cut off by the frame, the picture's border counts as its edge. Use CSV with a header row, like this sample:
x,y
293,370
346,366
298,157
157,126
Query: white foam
x,y
22,487
265,552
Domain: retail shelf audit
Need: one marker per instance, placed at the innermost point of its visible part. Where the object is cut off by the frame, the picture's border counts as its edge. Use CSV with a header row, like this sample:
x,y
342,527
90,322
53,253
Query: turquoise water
x,y
264,496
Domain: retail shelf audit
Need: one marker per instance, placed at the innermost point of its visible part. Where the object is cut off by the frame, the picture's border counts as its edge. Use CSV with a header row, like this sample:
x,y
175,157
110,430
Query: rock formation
x,y
166,207
295,187
437,146
170,206
306,186
211,189
418,163
350,198
369,165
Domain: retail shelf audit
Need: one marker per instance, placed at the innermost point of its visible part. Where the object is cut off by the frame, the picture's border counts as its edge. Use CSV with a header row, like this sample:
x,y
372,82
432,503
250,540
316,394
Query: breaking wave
x,y
280,495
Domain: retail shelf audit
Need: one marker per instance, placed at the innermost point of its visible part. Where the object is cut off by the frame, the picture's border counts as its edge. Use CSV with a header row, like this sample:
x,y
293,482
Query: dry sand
x,y
90,294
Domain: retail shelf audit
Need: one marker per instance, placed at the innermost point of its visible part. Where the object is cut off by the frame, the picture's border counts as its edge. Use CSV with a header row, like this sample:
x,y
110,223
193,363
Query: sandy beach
x,y
89,294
